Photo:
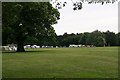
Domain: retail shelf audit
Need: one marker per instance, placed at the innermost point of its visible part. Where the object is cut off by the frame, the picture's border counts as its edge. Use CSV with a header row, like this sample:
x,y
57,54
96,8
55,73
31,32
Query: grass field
x,y
100,62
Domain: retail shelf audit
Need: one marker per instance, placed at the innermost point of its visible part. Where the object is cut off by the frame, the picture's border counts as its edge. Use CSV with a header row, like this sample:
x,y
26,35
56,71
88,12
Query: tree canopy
x,y
22,20
96,38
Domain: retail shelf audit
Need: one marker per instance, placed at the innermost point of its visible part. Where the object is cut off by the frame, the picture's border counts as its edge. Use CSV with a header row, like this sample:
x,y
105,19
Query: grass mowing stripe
x,y
100,62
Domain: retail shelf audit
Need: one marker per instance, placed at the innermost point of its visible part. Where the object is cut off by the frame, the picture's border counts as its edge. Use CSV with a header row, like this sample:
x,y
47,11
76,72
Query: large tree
x,y
118,39
111,38
27,19
83,38
95,38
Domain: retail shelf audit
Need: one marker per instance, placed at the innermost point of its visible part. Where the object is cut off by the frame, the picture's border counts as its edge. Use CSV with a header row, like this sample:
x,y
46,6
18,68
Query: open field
x,y
100,62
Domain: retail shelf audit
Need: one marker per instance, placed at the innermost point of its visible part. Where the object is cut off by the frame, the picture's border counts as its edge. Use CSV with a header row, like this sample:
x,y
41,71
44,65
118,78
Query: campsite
x,y
59,39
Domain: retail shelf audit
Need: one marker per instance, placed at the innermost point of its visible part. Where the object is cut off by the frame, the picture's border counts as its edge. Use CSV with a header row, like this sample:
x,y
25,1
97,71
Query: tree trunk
x,y
20,44
20,47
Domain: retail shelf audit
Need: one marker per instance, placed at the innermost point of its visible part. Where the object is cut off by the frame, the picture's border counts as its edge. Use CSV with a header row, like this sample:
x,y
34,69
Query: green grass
x,y
100,62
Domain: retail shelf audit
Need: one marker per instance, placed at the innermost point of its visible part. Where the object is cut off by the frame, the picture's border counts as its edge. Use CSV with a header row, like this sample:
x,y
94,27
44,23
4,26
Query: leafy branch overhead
x,y
77,5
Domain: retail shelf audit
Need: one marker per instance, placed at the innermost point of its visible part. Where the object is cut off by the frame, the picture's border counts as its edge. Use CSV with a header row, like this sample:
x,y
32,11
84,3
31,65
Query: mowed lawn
x,y
99,62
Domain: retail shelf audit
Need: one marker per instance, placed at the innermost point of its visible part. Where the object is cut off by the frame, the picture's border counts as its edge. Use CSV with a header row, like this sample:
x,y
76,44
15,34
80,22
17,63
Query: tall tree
x,y
83,38
110,38
94,38
118,39
98,38
22,19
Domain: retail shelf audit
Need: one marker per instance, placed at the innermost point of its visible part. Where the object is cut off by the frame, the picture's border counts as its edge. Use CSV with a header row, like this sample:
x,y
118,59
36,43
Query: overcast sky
x,y
90,18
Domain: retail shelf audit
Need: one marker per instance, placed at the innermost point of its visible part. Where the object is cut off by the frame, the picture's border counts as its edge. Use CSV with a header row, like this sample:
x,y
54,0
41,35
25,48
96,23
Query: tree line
x,y
96,38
